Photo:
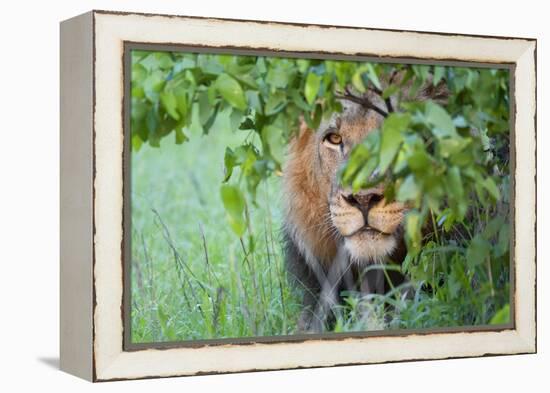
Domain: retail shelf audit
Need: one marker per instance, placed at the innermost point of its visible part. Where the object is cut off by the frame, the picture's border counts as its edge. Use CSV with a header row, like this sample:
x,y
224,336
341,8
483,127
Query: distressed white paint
x,y
112,30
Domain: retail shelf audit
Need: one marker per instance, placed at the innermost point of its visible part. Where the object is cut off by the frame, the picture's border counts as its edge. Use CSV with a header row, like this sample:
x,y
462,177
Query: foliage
x,y
449,162
450,165
266,96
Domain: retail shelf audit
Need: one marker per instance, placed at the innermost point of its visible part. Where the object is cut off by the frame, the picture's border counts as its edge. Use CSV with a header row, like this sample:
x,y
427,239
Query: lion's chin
x,y
369,246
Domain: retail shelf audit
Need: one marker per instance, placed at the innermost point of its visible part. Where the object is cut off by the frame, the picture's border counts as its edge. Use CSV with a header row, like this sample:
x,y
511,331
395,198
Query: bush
x,y
449,162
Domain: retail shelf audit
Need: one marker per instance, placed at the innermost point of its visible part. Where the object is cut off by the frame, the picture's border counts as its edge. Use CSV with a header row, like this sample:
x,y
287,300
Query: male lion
x,y
331,234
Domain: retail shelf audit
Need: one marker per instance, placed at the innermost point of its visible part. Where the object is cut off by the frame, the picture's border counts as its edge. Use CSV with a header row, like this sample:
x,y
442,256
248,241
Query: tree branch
x,y
380,93
363,101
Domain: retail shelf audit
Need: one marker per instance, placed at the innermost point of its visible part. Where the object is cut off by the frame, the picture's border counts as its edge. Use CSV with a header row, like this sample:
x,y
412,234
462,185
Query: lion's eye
x,y
333,138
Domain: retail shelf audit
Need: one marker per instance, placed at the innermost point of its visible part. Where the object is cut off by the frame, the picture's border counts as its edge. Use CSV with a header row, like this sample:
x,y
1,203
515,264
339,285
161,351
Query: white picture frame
x,y
92,195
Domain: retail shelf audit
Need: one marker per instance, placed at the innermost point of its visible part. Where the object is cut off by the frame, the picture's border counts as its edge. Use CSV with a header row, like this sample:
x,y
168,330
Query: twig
x,y
206,258
363,101
389,104
216,308
380,93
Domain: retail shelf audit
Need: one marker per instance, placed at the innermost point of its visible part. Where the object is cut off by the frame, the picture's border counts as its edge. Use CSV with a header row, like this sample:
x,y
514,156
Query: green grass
x,y
192,278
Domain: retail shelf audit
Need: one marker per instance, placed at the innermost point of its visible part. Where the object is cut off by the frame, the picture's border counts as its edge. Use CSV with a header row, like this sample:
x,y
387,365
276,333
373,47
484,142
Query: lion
x,y
332,234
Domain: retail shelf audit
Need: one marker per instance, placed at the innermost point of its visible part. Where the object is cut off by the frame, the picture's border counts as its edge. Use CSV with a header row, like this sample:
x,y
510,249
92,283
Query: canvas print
x,y
278,196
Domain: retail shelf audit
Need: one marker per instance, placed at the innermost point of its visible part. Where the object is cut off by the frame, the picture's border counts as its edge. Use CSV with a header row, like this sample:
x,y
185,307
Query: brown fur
x,y
308,192
317,211
332,234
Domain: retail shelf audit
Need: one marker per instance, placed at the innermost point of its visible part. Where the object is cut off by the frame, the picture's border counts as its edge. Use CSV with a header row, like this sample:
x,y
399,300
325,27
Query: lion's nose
x,y
364,199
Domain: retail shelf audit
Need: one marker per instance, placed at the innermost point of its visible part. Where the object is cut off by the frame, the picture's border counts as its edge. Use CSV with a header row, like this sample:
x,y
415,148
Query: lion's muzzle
x,y
366,222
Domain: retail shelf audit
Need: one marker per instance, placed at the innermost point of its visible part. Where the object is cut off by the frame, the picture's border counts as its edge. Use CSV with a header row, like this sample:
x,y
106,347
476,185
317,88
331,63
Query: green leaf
x,y
455,191
390,91
314,121
371,72
440,119
234,204
230,161
419,161
360,155
212,94
478,251
233,200
209,64
421,71
169,103
137,142
137,92
139,109
279,76
493,227
240,73
211,119
413,235
180,136
357,80
455,183
451,146
164,60
439,72
182,103
235,119
139,73
362,177
273,137
231,91
261,65
502,316
205,108
303,64
153,84
299,101
492,188
253,98
392,136
453,283
275,103
408,190
313,83
152,123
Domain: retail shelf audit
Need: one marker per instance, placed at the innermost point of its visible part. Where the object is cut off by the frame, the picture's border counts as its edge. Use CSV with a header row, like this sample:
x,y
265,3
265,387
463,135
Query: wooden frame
x,y
92,189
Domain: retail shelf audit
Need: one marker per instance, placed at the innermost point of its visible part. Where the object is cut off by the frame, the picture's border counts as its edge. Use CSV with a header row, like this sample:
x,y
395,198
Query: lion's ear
x,y
428,91
302,128
438,93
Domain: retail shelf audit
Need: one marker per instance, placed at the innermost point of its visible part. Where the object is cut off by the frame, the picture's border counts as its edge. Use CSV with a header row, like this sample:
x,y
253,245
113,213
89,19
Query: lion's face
x,y
369,228
322,218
